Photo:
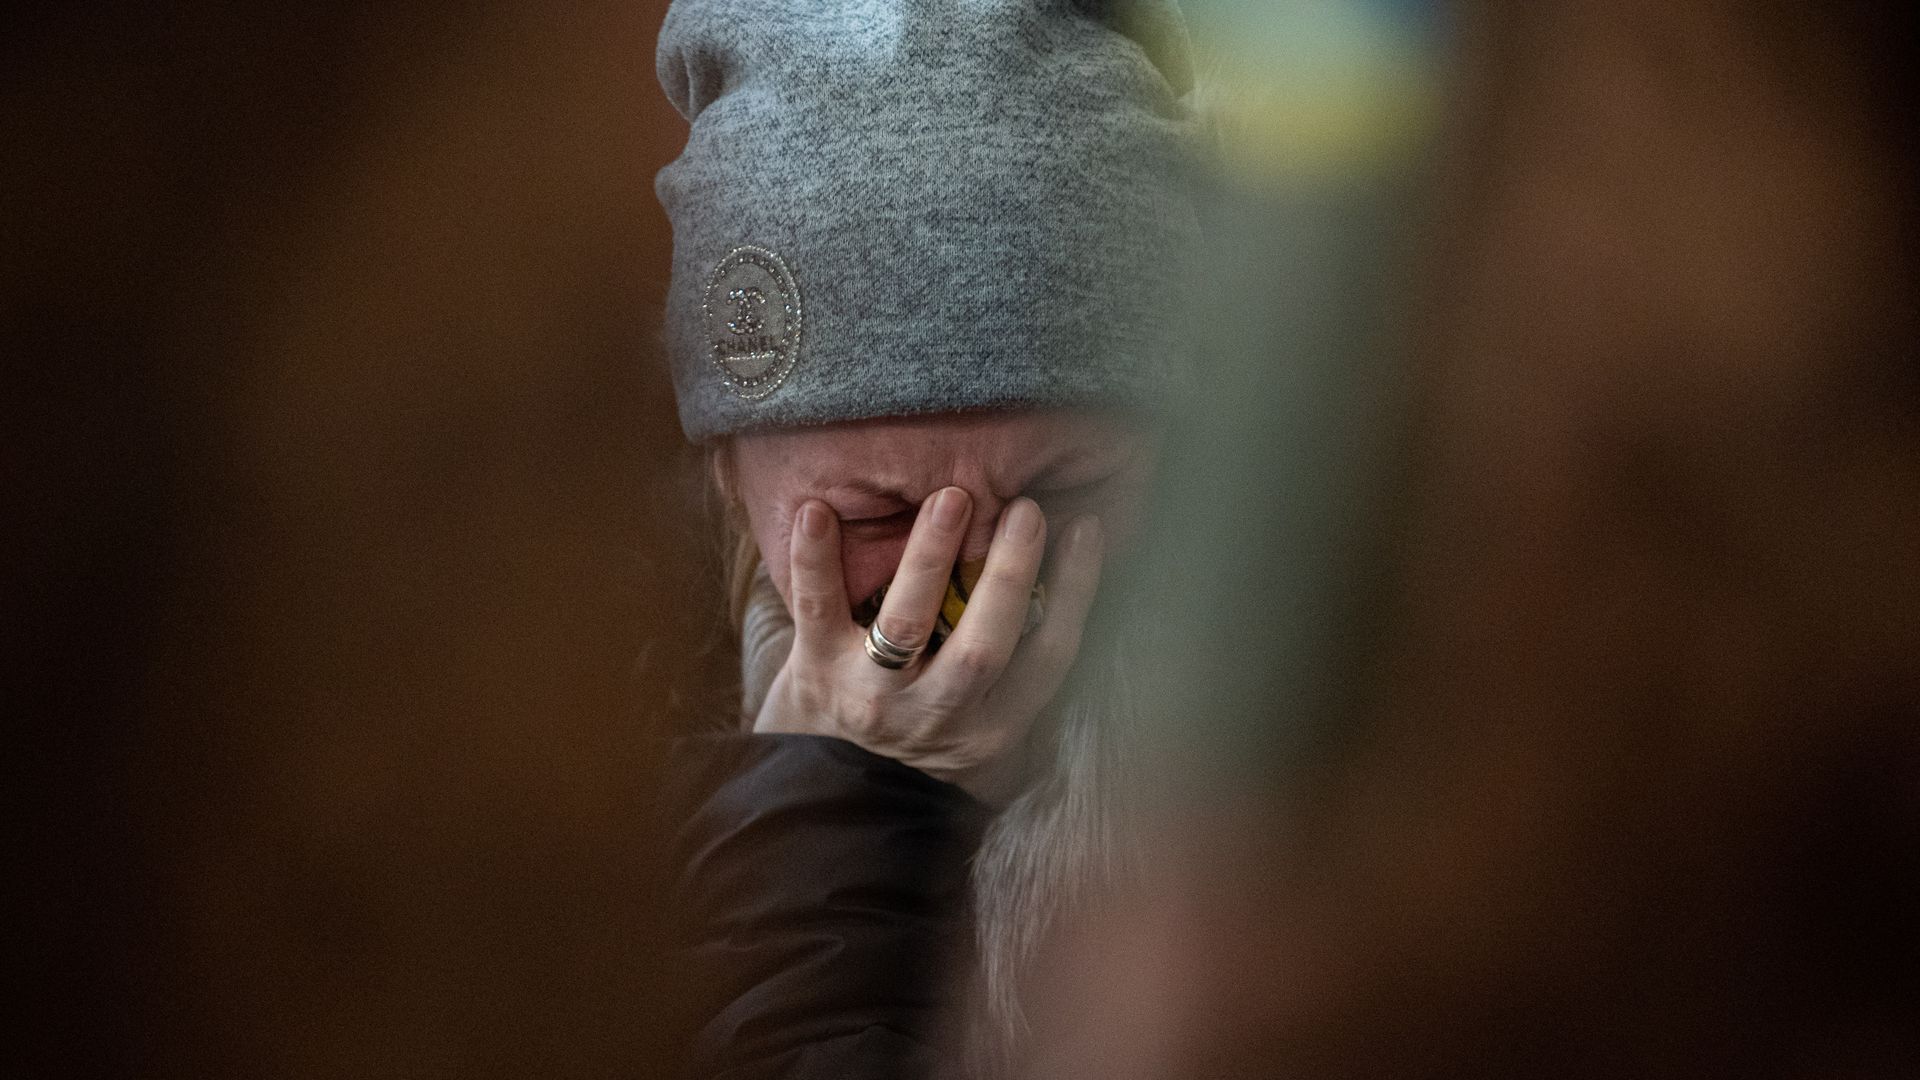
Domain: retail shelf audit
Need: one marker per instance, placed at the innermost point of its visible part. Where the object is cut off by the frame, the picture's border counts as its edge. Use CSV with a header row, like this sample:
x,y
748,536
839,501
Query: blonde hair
x,y
739,554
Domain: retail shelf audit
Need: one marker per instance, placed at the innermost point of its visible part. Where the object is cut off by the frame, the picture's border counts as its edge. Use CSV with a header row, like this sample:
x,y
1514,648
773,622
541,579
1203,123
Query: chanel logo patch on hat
x,y
753,321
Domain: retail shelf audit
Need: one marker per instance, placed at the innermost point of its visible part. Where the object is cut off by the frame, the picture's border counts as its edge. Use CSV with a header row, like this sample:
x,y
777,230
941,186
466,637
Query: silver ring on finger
x,y
885,653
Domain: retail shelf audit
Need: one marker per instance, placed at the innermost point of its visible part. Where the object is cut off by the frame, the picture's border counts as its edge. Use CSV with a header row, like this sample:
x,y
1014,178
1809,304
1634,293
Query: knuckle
x,y
953,700
949,696
812,606
973,663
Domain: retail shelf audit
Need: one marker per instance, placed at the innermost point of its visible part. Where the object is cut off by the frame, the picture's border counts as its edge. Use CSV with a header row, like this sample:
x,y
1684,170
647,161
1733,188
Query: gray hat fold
x,y
907,206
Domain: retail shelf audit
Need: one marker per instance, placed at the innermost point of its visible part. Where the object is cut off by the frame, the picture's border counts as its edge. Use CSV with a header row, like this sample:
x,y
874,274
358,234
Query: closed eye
x,y
880,526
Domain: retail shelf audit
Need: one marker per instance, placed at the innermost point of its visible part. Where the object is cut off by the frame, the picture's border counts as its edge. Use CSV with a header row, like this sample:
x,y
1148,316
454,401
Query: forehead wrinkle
x,y
814,478
875,476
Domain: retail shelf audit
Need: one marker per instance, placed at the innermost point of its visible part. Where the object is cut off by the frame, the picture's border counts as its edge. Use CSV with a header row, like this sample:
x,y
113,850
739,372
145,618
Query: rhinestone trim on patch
x,y
750,289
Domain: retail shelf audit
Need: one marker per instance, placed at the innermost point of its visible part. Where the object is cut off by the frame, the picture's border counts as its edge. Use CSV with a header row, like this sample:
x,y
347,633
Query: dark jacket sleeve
x,y
822,890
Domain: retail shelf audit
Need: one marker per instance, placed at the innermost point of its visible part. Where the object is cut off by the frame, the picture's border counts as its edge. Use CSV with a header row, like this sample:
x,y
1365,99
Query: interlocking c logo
x,y
746,316
751,314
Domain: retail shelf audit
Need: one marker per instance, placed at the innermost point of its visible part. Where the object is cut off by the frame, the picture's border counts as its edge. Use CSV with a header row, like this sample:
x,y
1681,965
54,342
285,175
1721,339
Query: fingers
x,y
913,599
1047,654
817,592
984,640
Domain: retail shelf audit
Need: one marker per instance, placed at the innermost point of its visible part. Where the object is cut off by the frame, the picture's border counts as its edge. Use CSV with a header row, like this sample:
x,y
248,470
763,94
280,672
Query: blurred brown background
x,y
354,555
354,561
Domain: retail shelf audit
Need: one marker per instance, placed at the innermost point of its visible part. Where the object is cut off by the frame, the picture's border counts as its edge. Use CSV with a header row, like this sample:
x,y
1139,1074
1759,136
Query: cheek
x,y
772,534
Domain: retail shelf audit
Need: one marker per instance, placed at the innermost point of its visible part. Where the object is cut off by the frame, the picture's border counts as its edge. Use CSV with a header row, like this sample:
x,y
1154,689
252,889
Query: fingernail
x,y
1021,521
813,521
949,507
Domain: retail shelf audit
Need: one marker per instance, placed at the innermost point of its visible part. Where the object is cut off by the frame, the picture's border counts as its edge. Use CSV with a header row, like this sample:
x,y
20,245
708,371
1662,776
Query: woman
x,y
920,310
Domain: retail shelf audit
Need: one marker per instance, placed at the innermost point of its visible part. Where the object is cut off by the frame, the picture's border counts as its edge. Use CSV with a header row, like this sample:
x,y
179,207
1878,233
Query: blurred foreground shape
x,y
1607,762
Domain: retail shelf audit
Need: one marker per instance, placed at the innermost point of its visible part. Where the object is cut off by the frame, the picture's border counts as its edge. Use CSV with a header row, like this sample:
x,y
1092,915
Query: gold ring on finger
x,y
885,653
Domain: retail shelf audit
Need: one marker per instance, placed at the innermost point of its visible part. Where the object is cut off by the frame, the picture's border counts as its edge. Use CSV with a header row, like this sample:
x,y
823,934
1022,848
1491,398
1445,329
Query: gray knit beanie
x,y
890,207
